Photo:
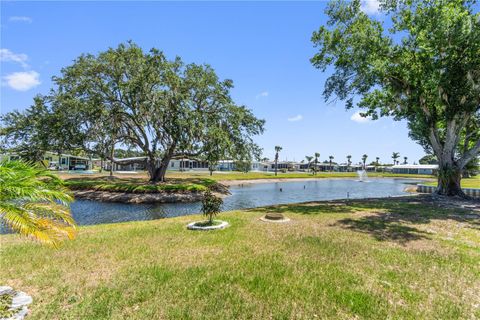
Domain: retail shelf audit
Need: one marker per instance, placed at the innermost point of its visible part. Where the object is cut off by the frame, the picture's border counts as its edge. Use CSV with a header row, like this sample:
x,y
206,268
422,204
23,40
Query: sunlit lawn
x,y
473,182
402,259
288,175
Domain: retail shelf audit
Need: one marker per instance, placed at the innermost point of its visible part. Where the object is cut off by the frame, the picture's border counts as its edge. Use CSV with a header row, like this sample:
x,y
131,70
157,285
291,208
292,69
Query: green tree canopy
x,y
425,69
164,108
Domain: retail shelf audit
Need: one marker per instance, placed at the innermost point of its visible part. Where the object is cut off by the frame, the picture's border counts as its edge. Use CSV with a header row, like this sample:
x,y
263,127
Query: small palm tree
x,y
376,162
317,155
277,150
309,161
34,203
364,160
349,161
395,156
331,158
405,160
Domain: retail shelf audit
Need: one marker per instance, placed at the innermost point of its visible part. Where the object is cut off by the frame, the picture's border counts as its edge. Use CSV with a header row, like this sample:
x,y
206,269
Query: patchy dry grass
x,y
371,259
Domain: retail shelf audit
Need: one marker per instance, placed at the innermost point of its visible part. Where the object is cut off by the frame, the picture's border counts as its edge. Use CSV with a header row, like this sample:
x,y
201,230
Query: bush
x,y
211,205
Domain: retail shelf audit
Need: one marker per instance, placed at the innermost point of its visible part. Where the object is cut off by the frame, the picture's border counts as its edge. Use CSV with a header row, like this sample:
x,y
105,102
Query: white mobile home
x,y
55,161
415,168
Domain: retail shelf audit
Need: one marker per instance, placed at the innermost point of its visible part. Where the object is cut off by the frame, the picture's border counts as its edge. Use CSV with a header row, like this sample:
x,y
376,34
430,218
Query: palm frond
x,y
34,203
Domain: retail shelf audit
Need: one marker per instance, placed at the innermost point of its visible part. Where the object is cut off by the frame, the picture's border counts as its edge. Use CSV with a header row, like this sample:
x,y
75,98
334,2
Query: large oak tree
x,y
144,101
424,68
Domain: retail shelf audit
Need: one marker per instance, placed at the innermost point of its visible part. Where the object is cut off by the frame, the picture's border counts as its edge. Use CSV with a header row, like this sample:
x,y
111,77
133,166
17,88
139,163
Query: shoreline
x,y
230,183
138,198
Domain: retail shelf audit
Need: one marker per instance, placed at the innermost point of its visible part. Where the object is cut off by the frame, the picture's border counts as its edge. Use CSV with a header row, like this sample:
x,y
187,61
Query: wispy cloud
x,y
262,94
298,117
370,6
22,81
20,19
9,56
359,119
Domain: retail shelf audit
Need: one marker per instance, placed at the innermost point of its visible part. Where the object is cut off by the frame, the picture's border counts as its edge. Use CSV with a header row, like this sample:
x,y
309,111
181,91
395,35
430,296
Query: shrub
x,y
211,205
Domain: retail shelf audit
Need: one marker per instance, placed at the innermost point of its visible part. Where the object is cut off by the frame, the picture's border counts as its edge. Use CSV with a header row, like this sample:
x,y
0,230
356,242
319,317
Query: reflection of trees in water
x,y
169,210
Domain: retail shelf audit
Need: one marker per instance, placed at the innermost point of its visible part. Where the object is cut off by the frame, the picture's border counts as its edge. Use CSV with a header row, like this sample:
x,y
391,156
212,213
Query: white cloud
x,y
358,118
370,6
22,81
20,19
298,117
9,56
262,94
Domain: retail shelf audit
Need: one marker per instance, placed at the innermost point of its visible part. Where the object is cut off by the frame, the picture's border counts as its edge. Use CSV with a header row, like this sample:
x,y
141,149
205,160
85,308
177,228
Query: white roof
x,y
416,166
129,159
65,155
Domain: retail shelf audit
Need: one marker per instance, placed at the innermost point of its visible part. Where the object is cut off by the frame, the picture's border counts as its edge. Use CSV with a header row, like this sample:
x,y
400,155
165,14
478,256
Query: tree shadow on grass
x,y
390,219
309,208
383,230
394,220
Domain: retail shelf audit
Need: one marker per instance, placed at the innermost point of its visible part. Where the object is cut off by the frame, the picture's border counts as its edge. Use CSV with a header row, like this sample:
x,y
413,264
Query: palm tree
x,y
349,161
364,159
309,161
395,156
34,203
317,155
277,150
405,160
331,158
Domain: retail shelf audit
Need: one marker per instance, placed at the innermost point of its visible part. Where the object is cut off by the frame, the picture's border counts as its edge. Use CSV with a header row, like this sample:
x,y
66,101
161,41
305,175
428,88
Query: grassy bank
x,y
396,258
219,176
473,182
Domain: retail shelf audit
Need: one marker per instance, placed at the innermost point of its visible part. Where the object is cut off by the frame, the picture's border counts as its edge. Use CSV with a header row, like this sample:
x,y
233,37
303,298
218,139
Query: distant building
x,y
55,161
344,167
415,168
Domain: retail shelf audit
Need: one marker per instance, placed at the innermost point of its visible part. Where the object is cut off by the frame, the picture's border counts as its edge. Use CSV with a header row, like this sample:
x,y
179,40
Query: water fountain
x,y
362,176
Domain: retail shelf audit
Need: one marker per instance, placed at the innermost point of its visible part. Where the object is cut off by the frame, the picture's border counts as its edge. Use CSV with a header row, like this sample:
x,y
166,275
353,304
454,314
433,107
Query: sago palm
x,y
34,203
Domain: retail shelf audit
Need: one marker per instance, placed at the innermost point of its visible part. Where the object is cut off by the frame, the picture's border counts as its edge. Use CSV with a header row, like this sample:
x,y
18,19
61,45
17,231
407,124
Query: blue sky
x,y
264,47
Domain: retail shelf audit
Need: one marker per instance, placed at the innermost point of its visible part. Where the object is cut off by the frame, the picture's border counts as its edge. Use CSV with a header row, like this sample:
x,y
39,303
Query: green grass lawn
x,y
473,182
219,176
377,259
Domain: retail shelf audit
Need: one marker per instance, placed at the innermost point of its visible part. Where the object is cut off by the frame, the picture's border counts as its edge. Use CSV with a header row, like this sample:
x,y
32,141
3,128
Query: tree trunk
x,y
276,166
112,152
449,180
158,168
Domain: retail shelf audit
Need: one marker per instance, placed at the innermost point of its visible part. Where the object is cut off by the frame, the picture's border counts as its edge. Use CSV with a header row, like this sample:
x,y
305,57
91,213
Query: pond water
x,y
88,212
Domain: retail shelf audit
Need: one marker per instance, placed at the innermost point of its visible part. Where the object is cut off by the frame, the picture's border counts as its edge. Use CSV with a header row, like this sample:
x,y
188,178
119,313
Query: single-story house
x,y
344,167
124,164
199,165
415,168
54,161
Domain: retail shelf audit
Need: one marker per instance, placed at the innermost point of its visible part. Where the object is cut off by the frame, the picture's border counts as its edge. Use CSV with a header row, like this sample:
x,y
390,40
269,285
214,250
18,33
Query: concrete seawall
x,y
475,193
